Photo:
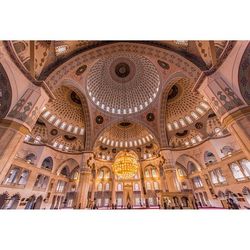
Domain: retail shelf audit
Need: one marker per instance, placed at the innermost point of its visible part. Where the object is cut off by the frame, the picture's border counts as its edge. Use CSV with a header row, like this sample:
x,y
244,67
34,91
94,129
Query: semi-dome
x,y
123,83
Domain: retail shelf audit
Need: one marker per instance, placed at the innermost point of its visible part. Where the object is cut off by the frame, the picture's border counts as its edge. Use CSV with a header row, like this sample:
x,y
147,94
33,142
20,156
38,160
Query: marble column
x,y
113,190
83,188
19,122
233,113
169,171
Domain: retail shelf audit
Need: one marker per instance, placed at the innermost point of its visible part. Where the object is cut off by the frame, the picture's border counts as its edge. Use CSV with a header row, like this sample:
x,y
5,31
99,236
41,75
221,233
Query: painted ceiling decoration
x,y
116,95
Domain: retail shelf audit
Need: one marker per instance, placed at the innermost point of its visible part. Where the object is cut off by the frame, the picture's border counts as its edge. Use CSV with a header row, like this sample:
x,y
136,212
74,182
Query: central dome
x,y
124,83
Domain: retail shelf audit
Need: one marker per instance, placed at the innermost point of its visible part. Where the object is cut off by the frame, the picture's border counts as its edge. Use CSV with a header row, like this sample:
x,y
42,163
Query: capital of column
x,y
85,170
29,107
220,96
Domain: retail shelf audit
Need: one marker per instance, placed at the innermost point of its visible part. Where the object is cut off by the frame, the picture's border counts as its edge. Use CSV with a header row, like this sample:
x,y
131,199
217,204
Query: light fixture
x,y
126,164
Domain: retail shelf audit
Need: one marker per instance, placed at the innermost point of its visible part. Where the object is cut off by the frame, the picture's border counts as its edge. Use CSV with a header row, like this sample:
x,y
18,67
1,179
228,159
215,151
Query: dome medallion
x,y
123,83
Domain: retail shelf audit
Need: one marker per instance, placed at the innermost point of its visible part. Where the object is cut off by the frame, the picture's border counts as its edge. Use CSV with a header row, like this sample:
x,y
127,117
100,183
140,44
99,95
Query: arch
x,y
70,162
181,170
209,157
140,123
88,57
48,163
243,75
74,86
166,88
183,160
5,93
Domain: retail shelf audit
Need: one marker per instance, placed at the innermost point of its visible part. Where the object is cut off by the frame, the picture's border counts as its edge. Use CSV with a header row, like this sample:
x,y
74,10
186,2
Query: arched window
x,y
148,186
3,199
180,172
107,175
246,193
99,187
156,185
30,158
119,187
45,182
136,187
184,185
101,174
218,132
24,177
48,163
41,181
245,164
154,173
107,186
236,170
227,150
217,176
65,171
30,202
60,186
146,173
13,202
75,175
191,167
11,178
197,181
209,157
38,202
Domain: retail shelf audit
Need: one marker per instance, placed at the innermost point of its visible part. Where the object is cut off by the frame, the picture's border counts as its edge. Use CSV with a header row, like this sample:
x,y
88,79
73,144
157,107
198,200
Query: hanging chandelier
x,y
126,165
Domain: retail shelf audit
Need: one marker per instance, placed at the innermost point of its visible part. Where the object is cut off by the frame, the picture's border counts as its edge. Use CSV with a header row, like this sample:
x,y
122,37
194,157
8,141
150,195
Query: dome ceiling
x,y
65,111
123,83
183,105
125,135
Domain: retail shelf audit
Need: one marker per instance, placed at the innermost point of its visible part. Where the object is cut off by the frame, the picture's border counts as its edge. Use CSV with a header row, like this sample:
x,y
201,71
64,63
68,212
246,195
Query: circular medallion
x,y
122,70
53,132
198,125
163,64
99,119
81,69
150,117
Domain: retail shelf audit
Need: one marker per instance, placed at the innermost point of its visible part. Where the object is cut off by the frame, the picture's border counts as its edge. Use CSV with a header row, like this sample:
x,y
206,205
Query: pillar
x,y
113,190
169,171
233,113
19,122
83,187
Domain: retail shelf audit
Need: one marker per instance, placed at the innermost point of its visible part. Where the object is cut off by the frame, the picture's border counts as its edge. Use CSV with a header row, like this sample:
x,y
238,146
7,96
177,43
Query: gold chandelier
x,y
126,165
